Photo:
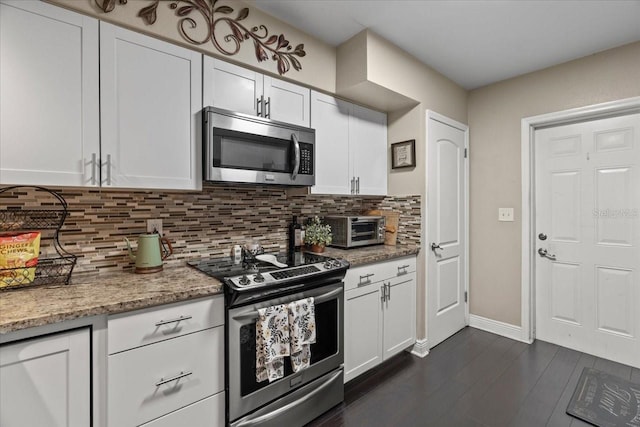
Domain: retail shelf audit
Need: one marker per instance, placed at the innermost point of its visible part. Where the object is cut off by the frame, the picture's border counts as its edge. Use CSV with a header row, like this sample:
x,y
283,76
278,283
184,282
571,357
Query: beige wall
x,y
495,114
318,66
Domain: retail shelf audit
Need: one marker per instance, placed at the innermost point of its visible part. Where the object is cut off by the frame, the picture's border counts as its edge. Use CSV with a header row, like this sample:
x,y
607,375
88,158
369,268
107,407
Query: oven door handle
x,y
316,300
266,417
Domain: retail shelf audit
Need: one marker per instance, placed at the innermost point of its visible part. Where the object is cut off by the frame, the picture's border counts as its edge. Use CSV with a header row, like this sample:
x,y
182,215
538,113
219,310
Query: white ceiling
x,y
473,42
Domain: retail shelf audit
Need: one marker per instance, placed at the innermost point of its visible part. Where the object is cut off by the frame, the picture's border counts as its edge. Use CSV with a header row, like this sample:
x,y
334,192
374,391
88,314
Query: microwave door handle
x,y
296,151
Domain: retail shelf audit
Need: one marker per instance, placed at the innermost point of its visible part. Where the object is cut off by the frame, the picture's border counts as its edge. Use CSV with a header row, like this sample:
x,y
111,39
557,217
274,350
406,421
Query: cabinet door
x,y
362,330
287,102
46,381
368,145
400,315
330,119
150,98
231,87
49,103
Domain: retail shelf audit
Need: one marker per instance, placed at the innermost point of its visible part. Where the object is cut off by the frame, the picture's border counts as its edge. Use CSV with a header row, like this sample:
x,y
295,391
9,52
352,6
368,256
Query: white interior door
x,y
446,230
588,222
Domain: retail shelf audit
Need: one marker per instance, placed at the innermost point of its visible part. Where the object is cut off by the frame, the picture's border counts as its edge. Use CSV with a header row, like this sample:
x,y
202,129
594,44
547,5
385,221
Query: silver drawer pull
x,y
366,277
176,320
403,269
182,374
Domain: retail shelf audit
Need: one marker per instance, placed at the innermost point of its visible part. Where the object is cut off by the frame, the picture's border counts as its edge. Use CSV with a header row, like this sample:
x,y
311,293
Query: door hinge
x,y
466,296
465,153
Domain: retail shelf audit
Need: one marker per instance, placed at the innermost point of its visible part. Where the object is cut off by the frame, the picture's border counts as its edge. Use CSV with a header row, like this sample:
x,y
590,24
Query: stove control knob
x,y
244,280
258,278
328,265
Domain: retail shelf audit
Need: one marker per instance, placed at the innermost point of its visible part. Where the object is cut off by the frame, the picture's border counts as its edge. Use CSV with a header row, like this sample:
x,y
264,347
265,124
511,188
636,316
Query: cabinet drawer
x,y
135,329
372,273
205,413
148,382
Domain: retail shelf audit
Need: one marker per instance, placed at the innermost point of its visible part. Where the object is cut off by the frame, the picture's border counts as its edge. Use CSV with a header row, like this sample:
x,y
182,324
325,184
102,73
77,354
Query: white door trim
x,y
528,127
424,247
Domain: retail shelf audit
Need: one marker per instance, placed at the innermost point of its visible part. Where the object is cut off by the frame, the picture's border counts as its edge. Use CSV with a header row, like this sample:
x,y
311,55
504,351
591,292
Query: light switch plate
x,y
505,214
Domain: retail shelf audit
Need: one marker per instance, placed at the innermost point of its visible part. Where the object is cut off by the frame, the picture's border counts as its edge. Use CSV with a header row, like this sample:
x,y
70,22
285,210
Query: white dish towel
x,y
272,342
302,327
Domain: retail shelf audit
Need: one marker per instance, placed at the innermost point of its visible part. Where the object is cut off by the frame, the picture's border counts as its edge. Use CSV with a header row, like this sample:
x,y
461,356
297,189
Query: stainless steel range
x,y
299,397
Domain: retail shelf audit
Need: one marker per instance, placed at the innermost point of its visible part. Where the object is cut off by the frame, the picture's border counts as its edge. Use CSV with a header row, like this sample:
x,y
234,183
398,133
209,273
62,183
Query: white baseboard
x,y
420,348
496,327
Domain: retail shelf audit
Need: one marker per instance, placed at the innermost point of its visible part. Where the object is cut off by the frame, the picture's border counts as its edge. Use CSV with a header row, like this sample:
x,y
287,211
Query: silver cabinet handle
x,y
383,293
93,168
358,185
435,246
108,166
267,108
182,374
260,106
402,269
366,277
353,184
296,154
544,254
176,320
388,291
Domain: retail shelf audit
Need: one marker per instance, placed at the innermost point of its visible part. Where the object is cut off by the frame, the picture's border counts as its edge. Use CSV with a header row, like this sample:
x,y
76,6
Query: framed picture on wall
x,y
403,154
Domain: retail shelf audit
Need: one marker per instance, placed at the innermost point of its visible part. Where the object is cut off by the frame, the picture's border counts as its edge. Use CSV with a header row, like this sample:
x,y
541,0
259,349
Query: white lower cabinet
x,y
176,381
380,313
205,413
46,381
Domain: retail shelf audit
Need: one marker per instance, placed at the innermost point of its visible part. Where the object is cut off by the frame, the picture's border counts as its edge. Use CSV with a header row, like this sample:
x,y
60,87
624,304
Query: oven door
x,y
366,231
244,393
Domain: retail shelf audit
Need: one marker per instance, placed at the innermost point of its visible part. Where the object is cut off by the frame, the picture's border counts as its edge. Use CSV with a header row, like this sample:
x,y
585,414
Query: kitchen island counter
x,y
98,295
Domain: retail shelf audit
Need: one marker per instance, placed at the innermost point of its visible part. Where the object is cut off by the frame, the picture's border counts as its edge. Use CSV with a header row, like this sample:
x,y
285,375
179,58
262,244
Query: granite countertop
x,y
90,296
369,254
121,292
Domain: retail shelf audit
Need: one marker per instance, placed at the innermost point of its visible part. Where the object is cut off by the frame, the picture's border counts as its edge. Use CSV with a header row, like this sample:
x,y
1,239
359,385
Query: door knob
x,y
435,246
542,236
544,254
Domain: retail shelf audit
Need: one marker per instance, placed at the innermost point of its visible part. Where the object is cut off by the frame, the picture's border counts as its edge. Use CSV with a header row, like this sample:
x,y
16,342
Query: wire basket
x,y
54,270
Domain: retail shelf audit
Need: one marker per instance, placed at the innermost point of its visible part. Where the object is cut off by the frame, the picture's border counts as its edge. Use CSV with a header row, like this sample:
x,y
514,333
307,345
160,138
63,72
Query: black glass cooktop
x,y
225,267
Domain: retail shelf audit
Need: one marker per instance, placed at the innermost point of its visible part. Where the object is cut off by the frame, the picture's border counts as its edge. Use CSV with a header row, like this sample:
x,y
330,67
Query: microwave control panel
x,y
306,159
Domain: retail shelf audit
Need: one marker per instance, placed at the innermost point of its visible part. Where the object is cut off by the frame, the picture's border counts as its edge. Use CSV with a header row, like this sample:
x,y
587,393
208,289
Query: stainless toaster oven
x,y
354,231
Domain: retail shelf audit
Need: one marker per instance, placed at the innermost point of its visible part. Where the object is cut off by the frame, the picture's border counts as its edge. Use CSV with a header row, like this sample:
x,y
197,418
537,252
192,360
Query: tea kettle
x,y
152,250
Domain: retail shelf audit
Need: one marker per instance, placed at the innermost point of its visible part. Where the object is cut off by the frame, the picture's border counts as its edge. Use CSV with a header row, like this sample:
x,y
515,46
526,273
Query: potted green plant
x,y
317,235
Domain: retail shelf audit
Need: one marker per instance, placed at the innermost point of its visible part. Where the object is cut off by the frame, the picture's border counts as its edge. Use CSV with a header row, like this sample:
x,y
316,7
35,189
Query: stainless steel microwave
x,y
354,231
247,149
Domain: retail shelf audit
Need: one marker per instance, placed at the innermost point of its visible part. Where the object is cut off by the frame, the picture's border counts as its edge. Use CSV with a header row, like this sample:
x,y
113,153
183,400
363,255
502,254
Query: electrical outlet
x,y
505,214
154,226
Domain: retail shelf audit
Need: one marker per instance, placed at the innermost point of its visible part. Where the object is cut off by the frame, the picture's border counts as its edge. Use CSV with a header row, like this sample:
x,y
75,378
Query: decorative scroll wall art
x,y
266,46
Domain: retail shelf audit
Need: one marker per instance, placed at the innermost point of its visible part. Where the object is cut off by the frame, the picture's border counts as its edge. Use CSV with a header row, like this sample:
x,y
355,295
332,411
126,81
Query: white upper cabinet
x,y
239,89
330,119
49,104
351,147
231,87
150,100
287,102
368,150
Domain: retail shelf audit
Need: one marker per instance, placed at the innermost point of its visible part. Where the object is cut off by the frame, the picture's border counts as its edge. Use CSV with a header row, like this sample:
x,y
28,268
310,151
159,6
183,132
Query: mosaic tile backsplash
x,y
198,223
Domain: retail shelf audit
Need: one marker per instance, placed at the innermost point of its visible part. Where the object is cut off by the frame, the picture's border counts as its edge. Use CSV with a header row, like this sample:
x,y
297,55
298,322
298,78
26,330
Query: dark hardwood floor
x,y
472,379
